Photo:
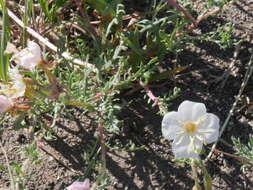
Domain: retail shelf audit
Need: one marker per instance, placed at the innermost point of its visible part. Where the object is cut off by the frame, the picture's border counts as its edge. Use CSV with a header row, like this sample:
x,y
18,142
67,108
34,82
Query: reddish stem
x,y
21,107
180,8
196,23
151,95
84,15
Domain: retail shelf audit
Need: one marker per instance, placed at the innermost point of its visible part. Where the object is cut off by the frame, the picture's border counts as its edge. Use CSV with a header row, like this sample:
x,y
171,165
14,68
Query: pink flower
x,y
29,57
5,103
77,185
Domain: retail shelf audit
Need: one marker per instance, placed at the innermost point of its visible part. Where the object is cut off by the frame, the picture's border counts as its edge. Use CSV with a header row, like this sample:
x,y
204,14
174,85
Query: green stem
x,y
195,176
103,147
207,177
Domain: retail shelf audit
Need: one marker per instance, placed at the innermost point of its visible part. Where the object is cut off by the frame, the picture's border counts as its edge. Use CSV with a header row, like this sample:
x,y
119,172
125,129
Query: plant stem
x,y
180,8
8,166
156,100
203,17
195,175
84,15
102,143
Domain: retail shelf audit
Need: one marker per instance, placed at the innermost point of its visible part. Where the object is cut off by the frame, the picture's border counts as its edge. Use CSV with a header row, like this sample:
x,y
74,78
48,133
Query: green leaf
x,y
4,59
164,75
26,19
44,6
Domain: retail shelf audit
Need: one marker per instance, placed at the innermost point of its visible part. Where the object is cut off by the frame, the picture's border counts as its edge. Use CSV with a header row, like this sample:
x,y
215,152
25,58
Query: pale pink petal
x,y
10,48
5,103
35,49
77,185
87,183
29,57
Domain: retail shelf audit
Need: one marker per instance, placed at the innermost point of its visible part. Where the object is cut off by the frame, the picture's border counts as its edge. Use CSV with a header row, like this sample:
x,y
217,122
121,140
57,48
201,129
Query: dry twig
x,y
231,112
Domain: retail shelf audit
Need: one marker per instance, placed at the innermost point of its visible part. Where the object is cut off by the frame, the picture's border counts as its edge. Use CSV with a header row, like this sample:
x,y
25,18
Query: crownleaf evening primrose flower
x,y
29,57
189,128
77,185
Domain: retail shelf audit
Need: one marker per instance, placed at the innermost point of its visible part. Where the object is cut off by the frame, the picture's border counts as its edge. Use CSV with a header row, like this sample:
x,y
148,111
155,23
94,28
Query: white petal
x,y
191,111
5,103
170,125
210,128
182,148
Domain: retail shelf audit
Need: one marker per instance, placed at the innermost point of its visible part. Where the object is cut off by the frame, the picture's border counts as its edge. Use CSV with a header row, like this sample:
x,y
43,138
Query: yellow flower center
x,y
189,127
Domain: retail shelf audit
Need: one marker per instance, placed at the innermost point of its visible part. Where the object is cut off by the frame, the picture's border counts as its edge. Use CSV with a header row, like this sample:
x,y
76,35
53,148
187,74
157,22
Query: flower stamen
x,y
189,127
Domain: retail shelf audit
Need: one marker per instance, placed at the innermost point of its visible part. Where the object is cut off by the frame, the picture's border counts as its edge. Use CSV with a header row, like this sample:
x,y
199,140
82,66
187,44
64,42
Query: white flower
x,y
77,185
29,57
189,128
5,103
16,88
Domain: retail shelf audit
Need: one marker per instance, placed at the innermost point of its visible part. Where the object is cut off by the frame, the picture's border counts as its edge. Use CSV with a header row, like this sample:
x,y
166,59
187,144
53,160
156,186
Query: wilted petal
x,y
210,128
10,48
77,185
29,57
17,87
183,148
20,88
35,49
170,125
5,103
191,111
14,74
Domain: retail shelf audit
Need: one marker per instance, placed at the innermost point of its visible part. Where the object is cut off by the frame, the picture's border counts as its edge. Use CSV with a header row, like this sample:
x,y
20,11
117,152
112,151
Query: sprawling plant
x,y
114,50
